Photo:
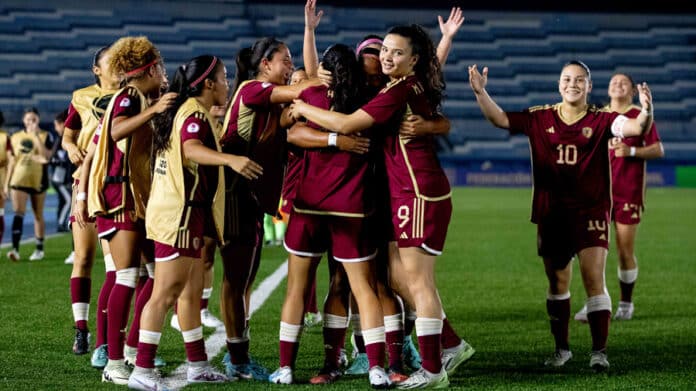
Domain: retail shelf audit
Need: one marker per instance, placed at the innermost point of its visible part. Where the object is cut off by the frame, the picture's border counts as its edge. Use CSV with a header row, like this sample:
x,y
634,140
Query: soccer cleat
x,y
208,319
37,255
598,361
360,365
282,375
174,322
581,316
146,379
422,378
249,371
454,357
81,343
130,353
160,362
99,357
397,376
312,319
13,255
412,358
202,372
70,259
326,376
378,378
624,311
116,372
558,358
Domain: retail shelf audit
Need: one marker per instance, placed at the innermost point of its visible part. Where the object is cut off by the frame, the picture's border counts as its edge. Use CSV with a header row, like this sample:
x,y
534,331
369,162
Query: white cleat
x,y
203,372
208,319
581,316
454,357
624,311
422,378
70,259
146,379
598,361
379,378
558,358
282,375
13,255
116,372
37,255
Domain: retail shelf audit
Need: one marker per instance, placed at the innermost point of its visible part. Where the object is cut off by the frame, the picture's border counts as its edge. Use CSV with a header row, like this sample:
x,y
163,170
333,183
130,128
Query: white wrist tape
x,y
333,138
632,151
81,196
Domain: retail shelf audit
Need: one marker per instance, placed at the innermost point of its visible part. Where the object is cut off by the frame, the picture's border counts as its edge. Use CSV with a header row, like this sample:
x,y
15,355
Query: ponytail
x,y
249,59
244,70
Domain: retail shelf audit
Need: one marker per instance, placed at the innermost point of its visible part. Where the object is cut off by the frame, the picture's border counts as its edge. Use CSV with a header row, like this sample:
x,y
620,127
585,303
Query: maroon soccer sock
x,y
239,350
599,327
140,301
429,332
333,342
80,294
289,343
147,348
118,310
449,338
559,317
102,303
394,335
195,345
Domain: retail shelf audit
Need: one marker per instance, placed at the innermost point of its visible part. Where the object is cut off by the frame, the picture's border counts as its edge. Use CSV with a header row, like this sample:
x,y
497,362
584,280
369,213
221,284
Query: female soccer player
x,y
572,199
186,204
419,190
31,149
119,179
251,129
84,113
330,210
628,161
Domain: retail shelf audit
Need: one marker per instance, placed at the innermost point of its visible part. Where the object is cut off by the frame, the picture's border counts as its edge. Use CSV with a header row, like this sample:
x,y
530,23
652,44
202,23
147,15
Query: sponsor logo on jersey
x,y
265,84
403,236
193,128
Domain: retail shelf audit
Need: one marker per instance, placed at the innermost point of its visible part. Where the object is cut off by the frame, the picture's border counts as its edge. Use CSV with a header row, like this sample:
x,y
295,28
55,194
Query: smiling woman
x,y
572,197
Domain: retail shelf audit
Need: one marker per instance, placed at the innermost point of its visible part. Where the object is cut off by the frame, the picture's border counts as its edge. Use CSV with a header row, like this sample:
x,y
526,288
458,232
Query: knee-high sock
x,y
103,300
118,309
140,301
558,309
80,294
17,229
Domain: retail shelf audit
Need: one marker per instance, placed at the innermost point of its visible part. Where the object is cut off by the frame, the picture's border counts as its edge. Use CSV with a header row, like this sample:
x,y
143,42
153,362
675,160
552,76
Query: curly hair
x,y
427,68
188,81
131,53
347,82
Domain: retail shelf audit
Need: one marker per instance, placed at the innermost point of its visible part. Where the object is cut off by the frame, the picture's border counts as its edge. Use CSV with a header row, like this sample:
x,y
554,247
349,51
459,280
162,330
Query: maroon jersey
x,y
628,173
127,106
252,130
331,181
291,178
73,121
195,127
412,164
570,157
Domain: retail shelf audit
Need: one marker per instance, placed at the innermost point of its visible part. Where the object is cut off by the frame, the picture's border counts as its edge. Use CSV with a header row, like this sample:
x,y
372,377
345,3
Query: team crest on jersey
x,y
26,146
193,128
587,132
551,130
125,102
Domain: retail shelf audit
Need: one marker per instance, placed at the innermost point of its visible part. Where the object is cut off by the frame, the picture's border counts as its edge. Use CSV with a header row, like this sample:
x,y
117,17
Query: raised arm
x,y
489,108
449,30
309,49
644,120
123,127
337,122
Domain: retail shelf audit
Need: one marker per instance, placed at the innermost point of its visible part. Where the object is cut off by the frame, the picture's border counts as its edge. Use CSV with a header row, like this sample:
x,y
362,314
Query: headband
x,y
366,42
142,68
206,73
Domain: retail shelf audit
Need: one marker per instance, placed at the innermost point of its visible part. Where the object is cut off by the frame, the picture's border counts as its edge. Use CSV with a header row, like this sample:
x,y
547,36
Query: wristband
x,y
646,112
82,196
632,151
333,138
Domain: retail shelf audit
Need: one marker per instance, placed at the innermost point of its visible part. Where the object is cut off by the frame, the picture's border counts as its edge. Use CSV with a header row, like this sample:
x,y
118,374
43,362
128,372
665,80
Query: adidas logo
x,y
603,237
403,236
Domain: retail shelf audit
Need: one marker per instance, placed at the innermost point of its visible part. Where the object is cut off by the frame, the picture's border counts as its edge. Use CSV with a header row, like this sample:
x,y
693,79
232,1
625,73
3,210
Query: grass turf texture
x,y
492,285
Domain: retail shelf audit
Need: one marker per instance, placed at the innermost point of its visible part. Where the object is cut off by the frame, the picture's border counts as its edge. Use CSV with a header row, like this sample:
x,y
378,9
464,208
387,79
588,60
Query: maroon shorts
x,y
189,240
125,220
626,213
421,223
311,235
562,235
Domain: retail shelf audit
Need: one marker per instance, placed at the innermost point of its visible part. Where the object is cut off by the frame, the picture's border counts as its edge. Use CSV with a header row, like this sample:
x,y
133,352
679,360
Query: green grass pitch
x,y
492,285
